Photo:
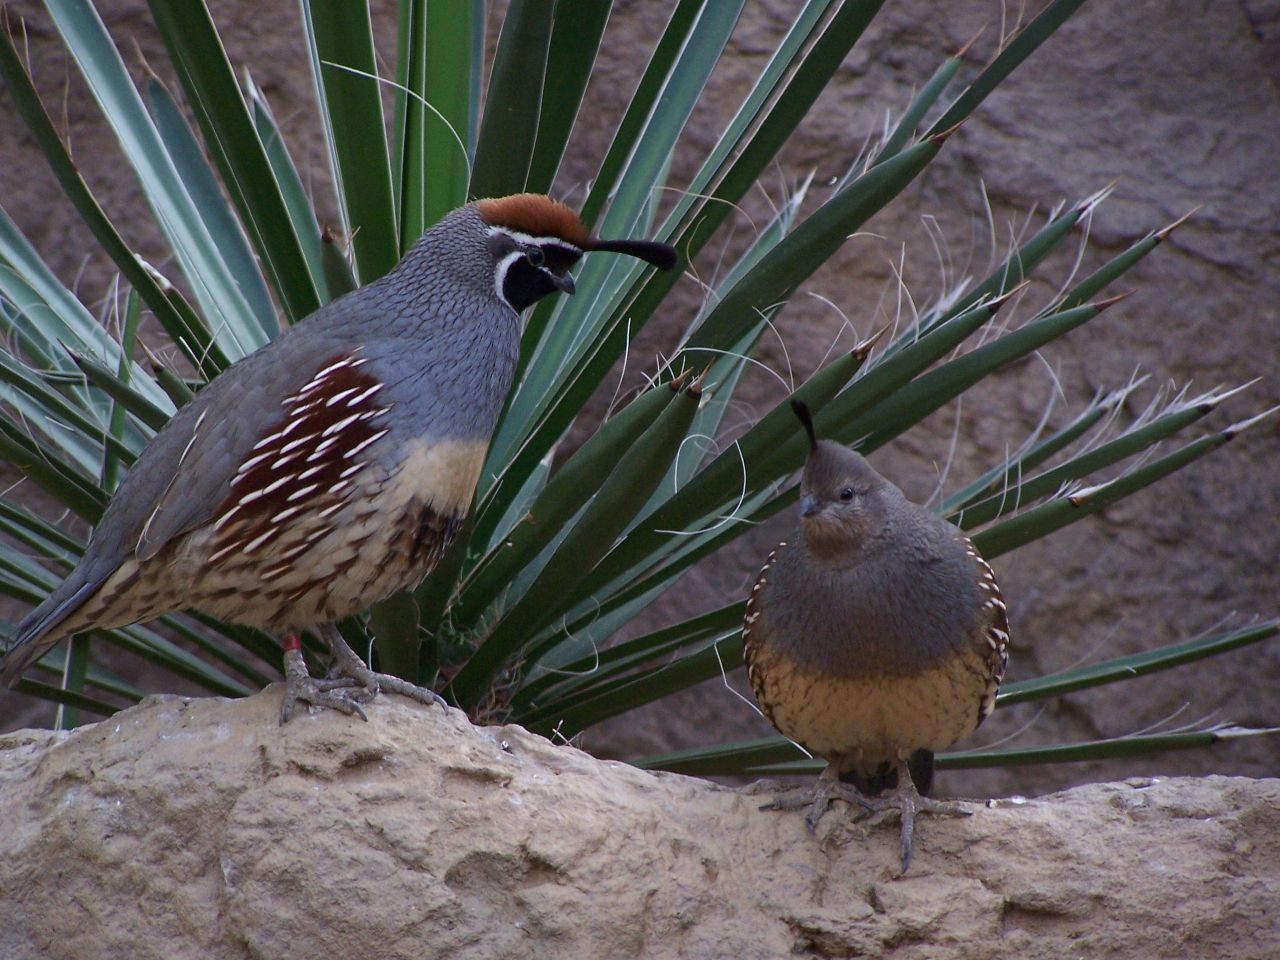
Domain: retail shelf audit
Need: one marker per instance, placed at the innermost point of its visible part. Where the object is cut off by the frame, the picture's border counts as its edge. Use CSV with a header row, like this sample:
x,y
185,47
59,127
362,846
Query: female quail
x,y
331,468
873,632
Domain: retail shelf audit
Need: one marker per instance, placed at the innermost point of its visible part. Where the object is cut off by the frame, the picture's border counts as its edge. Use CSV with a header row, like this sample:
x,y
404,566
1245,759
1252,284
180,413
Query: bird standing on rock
x,y
331,468
873,632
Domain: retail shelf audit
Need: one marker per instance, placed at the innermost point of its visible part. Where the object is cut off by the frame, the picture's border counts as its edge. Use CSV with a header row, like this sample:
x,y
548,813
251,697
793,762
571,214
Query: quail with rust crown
x,y
873,633
331,468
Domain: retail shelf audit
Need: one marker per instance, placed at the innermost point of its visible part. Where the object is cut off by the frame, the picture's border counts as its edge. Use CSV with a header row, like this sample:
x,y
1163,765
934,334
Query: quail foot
x,y
331,468
874,635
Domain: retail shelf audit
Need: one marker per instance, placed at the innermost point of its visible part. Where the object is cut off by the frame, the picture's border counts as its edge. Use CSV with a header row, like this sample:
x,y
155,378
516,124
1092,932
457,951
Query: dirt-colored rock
x,y
199,828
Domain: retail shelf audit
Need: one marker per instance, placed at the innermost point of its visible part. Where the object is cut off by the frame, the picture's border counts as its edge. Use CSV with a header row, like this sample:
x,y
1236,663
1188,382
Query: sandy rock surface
x,y
199,828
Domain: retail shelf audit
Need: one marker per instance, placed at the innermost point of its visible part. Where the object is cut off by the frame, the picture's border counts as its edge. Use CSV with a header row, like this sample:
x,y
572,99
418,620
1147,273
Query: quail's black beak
x,y
563,282
810,507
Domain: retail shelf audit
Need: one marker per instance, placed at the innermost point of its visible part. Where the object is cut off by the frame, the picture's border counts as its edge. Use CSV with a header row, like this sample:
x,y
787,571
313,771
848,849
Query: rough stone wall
x,y
201,829
1177,102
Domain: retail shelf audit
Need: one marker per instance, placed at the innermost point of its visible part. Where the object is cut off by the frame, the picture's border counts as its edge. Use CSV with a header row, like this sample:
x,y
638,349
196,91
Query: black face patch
x,y
529,268
523,285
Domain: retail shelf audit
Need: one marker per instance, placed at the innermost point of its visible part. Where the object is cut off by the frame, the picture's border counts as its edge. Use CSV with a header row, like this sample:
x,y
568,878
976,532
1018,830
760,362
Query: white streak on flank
x,y
324,445
302,492
195,432
340,395
364,443
270,438
219,554
339,486
295,444
364,395
292,425
285,514
310,472
259,540
336,365
338,427
329,511
354,468
251,463
226,518
255,494
286,459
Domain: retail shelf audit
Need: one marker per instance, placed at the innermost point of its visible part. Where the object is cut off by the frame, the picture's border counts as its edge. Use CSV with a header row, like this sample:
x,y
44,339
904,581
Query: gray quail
x,y
332,467
873,633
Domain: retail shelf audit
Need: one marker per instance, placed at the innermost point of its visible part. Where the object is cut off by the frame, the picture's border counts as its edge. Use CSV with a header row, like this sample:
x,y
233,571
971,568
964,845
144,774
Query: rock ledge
x,y
198,828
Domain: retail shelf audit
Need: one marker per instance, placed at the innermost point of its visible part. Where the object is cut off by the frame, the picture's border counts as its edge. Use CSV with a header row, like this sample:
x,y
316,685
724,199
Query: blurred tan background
x,y
1177,102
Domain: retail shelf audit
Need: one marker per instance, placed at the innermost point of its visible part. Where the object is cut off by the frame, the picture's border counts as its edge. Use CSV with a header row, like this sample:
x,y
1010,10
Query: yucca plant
x,y
561,552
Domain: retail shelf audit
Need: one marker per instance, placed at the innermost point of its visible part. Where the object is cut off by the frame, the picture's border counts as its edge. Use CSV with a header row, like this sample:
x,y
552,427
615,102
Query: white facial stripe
x,y
527,240
500,275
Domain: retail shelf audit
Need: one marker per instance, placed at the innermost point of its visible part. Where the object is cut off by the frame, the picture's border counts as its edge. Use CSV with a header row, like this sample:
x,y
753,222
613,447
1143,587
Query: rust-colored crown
x,y
540,216
535,215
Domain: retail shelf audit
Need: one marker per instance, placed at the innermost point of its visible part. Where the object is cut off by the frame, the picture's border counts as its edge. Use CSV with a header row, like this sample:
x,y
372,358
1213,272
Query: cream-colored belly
x,y
858,723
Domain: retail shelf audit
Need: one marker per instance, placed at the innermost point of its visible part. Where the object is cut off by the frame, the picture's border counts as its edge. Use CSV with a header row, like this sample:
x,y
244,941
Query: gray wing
x,y
204,445
152,506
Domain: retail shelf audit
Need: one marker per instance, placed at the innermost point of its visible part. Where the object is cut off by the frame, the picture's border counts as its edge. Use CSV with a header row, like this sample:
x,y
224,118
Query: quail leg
x,y
827,789
907,802
300,685
350,668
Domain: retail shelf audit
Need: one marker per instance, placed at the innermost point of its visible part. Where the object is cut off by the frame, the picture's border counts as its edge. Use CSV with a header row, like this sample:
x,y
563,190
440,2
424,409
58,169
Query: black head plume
x,y
802,414
660,255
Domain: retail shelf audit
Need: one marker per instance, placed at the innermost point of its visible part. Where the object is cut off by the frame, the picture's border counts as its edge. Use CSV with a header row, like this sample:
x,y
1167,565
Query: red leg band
x,y
291,641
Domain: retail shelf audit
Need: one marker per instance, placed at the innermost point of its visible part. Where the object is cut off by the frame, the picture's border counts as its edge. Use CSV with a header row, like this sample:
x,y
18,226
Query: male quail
x,y
874,632
331,468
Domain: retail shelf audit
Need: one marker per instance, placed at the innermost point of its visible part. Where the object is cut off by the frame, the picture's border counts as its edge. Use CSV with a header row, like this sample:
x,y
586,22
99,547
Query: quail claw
x,y
301,686
906,802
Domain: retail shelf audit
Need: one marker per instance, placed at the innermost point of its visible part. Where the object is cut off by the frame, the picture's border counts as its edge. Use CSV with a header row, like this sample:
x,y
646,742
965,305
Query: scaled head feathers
x,y
839,488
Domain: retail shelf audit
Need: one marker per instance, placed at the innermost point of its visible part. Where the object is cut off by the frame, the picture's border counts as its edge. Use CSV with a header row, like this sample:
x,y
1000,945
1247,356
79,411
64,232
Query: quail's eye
x,y
535,256
846,493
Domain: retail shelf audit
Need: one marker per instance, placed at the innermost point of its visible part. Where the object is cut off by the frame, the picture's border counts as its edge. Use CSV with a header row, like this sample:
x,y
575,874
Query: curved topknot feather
x,y
801,410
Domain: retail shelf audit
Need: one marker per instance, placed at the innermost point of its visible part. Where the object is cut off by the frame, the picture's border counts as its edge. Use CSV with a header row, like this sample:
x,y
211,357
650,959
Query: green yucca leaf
x,y
574,485
509,128
296,203
1042,520
606,665
1124,668
67,697
1113,749
394,624
231,137
345,72
1009,474
1012,53
179,325
575,39
670,46
50,472
733,471
116,426
1130,443
629,485
905,129
188,160
626,693
434,118
927,393
214,286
